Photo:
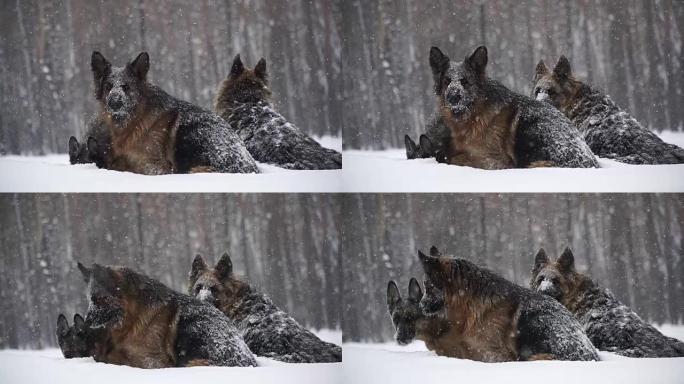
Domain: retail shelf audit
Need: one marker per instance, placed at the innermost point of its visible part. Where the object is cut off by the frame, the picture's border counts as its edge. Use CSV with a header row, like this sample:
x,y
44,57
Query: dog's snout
x,y
115,102
453,97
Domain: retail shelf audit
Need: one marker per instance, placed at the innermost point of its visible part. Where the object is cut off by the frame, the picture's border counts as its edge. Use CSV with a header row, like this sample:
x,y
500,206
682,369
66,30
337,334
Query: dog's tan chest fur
x,y
147,342
486,140
146,144
482,330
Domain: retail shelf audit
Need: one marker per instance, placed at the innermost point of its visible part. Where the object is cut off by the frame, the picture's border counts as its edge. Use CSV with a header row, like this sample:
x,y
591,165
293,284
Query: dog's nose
x,y
453,97
115,102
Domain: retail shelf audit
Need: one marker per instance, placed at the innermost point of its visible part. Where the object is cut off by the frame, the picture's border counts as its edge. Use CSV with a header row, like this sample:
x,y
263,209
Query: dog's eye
x,y
464,82
551,92
447,81
536,91
125,87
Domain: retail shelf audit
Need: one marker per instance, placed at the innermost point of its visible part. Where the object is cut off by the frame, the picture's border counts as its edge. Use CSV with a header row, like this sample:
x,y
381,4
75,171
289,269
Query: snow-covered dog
x,y
155,133
492,127
610,325
609,130
495,320
244,101
267,330
140,322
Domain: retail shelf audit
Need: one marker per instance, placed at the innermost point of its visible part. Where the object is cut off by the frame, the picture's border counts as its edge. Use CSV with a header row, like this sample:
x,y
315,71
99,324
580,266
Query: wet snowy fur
x,y
193,139
543,327
267,330
610,131
243,100
198,333
539,133
610,325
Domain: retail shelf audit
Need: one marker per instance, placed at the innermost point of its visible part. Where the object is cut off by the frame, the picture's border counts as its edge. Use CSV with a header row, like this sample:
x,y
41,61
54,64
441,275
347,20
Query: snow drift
x,y
390,363
53,173
389,171
48,366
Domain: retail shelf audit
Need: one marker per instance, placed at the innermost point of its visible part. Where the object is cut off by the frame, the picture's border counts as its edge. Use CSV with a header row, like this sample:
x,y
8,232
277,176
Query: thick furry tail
x,y
310,157
677,346
330,355
661,153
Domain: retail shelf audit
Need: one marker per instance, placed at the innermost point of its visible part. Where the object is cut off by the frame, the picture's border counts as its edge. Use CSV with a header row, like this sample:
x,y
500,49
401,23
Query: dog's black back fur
x,y
243,100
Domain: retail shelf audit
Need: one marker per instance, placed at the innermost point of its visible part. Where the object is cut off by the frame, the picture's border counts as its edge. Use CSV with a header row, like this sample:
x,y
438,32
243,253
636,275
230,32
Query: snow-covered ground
x,y
414,364
53,173
48,366
389,171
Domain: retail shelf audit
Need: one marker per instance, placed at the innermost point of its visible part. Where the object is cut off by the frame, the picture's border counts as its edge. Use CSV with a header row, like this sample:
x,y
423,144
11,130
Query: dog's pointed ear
x,y
237,68
435,252
415,292
540,259
224,267
563,70
478,60
62,325
439,62
410,147
92,147
541,70
566,261
73,148
85,271
425,145
100,66
260,69
79,323
393,296
198,266
140,66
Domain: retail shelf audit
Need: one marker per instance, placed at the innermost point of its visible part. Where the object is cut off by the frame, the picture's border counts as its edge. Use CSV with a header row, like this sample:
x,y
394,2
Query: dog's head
x,y
243,85
72,340
459,86
433,301
109,290
405,313
217,285
120,90
557,87
554,278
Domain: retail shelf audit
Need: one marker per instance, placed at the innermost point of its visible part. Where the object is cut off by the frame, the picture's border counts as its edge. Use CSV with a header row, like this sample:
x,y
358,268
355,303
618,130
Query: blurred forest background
x,y
285,244
632,49
46,91
631,244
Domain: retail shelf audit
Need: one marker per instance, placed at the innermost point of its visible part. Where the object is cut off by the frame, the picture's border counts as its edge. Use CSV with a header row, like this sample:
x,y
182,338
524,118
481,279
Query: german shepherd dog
x,y
244,101
73,340
495,128
93,148
609,130
140,322
495,320
410,322
154,133
267,330
610,325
